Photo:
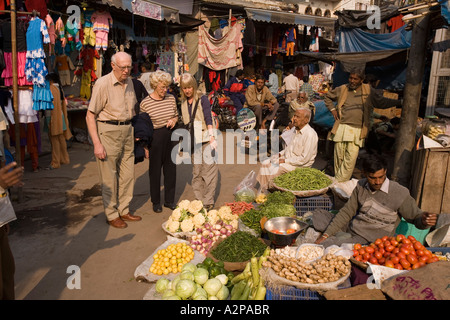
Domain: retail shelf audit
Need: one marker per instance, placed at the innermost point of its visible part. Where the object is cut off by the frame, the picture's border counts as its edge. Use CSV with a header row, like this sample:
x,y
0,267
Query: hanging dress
x,y
35,69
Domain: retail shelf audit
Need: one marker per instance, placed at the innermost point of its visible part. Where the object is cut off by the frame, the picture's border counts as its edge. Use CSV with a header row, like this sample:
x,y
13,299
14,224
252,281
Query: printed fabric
x,y
37,35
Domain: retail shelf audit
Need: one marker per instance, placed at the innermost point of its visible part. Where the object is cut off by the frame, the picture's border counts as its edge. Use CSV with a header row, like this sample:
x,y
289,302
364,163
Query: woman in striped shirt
x,y
162,109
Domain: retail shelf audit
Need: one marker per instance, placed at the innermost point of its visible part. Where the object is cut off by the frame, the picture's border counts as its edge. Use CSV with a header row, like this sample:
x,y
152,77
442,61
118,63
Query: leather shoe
x,y
117,223
171,206
157,208
129,217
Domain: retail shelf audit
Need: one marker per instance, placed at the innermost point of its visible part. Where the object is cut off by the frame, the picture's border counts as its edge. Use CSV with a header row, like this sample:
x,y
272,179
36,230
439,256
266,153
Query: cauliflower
x,y
184,204
234,224
212,216
199,220
195,206
224,211
187,225
172,225
176,214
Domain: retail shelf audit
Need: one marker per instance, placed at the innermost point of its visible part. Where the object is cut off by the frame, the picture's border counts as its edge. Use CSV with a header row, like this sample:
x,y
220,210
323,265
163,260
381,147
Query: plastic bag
x,y
245,190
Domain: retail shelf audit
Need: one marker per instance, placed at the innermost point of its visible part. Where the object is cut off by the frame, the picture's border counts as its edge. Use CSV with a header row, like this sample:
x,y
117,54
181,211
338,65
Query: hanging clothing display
x,y
88,56
37,35
102,21
223,53
291,37
63,64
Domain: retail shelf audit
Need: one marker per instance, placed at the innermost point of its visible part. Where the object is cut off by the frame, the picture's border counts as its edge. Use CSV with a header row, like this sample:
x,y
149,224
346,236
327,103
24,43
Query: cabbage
x,y
245,194
186,275
188,267
185,288
201,276
172,298
161,285
199,292
212,286
213,298
173,285
168,293
223,293
223,278
200,297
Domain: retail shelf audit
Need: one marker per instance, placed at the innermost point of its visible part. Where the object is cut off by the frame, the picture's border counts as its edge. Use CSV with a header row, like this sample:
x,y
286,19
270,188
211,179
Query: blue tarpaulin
x,y
445,9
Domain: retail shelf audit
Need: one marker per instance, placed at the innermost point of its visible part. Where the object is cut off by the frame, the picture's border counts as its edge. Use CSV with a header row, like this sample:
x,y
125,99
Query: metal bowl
x,y
282,224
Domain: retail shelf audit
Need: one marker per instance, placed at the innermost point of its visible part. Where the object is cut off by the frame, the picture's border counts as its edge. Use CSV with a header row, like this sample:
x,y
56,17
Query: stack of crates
x,y
303,205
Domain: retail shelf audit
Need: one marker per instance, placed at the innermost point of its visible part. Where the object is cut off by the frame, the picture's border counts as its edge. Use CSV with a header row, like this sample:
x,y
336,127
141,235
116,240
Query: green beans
x,y
239,247
303,179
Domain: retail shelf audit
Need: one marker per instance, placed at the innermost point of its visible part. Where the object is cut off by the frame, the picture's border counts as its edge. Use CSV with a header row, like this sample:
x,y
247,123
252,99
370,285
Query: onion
x,y
223,236
205,233
228,233
199,230
223,231
217,226
217,232
207,225
229,227
199,247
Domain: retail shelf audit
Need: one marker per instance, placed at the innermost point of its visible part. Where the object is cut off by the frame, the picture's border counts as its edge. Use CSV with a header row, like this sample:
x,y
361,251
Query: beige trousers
x,y
204,176
60,155
117,170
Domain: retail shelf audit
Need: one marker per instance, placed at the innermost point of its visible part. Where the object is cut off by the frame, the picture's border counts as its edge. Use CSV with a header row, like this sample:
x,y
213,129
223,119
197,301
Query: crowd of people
x,y
129,120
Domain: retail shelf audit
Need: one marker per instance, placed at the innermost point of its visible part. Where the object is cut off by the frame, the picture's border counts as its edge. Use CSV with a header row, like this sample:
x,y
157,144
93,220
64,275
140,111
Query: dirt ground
x,y
60,223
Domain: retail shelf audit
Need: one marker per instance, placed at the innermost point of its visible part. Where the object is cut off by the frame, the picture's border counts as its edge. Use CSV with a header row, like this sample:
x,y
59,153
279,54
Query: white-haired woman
x,y
162,109
204,173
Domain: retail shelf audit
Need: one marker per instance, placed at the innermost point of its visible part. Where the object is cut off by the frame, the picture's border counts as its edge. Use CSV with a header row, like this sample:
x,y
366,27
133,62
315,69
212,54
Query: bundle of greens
x,y
303,179
239,247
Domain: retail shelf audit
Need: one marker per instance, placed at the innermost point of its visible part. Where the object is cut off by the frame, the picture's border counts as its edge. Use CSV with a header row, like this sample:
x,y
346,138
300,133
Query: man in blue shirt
x,y
272,83
235,90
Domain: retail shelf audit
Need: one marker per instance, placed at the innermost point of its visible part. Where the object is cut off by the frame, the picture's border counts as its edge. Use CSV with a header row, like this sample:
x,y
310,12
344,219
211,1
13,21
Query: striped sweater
x,y
160,111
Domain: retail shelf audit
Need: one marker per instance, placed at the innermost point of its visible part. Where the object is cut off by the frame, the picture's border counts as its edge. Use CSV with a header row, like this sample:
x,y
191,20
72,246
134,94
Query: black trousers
x,y
160,158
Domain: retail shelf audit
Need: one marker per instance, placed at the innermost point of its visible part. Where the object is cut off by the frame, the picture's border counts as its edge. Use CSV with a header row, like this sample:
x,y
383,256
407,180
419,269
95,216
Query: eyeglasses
x,y
124,67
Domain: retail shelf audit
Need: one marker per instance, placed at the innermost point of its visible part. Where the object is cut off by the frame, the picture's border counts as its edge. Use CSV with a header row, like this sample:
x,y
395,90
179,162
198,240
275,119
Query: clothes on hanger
x,y
102,22
37,35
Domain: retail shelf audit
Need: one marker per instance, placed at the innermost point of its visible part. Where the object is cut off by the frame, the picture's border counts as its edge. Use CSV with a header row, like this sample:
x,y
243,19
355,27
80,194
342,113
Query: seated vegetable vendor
x,y
300,152
373,210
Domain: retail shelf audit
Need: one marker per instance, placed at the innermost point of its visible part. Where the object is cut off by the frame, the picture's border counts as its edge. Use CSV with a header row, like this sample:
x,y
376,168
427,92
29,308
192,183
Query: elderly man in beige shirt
x,y
300,152
108,121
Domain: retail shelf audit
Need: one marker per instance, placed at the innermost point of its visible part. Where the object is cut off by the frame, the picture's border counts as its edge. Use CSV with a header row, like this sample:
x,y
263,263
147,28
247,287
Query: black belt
x,y
116,122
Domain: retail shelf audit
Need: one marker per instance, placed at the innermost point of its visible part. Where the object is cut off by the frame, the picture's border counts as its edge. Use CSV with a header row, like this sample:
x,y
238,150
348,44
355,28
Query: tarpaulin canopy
x,y
146,8
356,40
358,60
359,18
289,18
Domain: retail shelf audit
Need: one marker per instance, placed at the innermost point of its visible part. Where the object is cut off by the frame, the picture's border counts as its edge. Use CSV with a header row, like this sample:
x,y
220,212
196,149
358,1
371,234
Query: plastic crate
x,y
293,293
409,229
303,205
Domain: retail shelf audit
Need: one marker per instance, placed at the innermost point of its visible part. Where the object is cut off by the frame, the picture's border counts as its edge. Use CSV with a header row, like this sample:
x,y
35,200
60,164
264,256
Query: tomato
x,y
398,266
427,253
422,263
358,258
373,260
362,251
406,240
382,250
416,265
432,259
401,255
413,252
370,250
384,238
367,256
394,242
396,250
386,254
418,246
386,243
412,239
423,258
378,255
357,246
355,253
289,231
399,237
405,251
389,264
395,259
382,261
412,259
405,264
389,248
419,252
378,241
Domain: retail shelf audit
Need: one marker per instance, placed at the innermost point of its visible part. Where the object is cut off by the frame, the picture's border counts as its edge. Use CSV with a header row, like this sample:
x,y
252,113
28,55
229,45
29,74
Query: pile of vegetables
x,y
249,285
172,259
191,215
239,207
245,194
303,179
194,284
215,268
207,236
400,252
278,204
328,268
241,246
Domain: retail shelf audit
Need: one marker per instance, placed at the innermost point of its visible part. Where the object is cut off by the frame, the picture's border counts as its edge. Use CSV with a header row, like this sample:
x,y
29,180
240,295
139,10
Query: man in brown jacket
x,y
259,98
352,113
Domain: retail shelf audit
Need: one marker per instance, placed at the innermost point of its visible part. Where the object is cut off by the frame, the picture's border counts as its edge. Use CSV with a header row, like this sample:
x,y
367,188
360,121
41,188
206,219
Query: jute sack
x,y
429,282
